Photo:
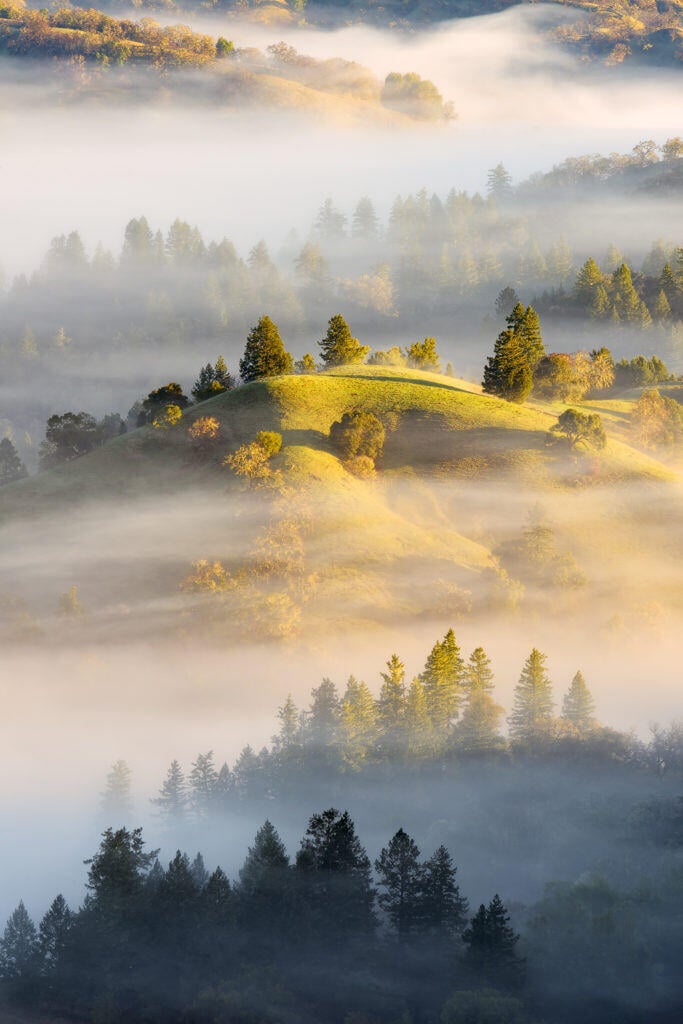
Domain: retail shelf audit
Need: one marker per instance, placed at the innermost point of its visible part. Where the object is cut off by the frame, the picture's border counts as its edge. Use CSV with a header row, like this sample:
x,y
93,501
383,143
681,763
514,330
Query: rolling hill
x,y
158,535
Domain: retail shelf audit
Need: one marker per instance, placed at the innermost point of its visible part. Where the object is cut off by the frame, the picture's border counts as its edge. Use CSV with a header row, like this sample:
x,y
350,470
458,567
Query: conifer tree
x,y
264,354
442,679
667,281
52,933
532,707
203,779
172,799
507,373
116,798
526,325
200,875
336,869
358,722
478,728
265,865
365,223
19,945
290,725
478,675
400,877
491,954
444,909
418,726
499,183
578,706
391,703
599,306
588,279
324,715
11,466
661,308
338,347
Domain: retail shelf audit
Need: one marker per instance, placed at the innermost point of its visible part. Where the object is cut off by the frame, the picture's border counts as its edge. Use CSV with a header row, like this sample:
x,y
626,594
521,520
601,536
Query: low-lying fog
x,y
249,176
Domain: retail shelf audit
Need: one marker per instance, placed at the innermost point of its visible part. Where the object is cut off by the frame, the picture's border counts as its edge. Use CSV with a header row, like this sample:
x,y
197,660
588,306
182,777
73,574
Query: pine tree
x,y
478,674
336,869
212,381
289,735
442,680
324,715
578,706
116,798
507,373
491,954
172,799
338,347
498,183
667,281
200,875
532,707
599,307
358,722
365,223
418,727
401,884
265,867
444,909
118,870
223,790
19,945
11,466
588,279
613,259
391,703
52,933
506,301
661,308
526,325
478,729
264,354
203,779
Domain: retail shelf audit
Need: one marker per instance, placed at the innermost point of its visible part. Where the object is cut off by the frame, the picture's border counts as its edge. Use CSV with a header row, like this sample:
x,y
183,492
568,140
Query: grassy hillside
x,y
436,531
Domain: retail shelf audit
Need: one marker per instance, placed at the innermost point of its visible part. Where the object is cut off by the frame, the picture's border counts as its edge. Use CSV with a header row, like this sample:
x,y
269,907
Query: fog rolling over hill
x,y
341,440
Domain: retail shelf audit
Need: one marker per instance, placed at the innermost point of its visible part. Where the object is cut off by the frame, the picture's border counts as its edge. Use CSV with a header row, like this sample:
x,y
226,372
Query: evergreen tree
x,y
19,945
338,347
391,704
324,715
11,466
358,722
478,674
507,373
661,309
491,954
118,870
264,354
172,799
532,707
498,183
442,680
424,356
52,933
478,729
203,779
418,726
224,789
599,306
116,798
289,735
265,867
200,875
578,706
335,871
364,223
506,301
444,909
401,884
526,325
212,381
588,279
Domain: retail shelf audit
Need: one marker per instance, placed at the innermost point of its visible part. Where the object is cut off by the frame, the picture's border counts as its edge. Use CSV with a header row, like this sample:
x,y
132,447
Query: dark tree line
x,y
321,934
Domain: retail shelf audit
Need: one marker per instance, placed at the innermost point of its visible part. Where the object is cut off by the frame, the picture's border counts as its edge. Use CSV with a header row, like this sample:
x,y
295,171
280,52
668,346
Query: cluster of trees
x,y
90,34
153,943
446,714
615,295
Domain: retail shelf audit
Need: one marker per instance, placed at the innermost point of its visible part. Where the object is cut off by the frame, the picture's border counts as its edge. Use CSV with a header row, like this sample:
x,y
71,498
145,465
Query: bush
x,y
357,433
270,441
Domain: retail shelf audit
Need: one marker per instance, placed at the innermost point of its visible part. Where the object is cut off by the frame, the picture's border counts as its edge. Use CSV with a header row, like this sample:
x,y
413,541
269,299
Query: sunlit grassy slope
x,y
459,475
443,424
